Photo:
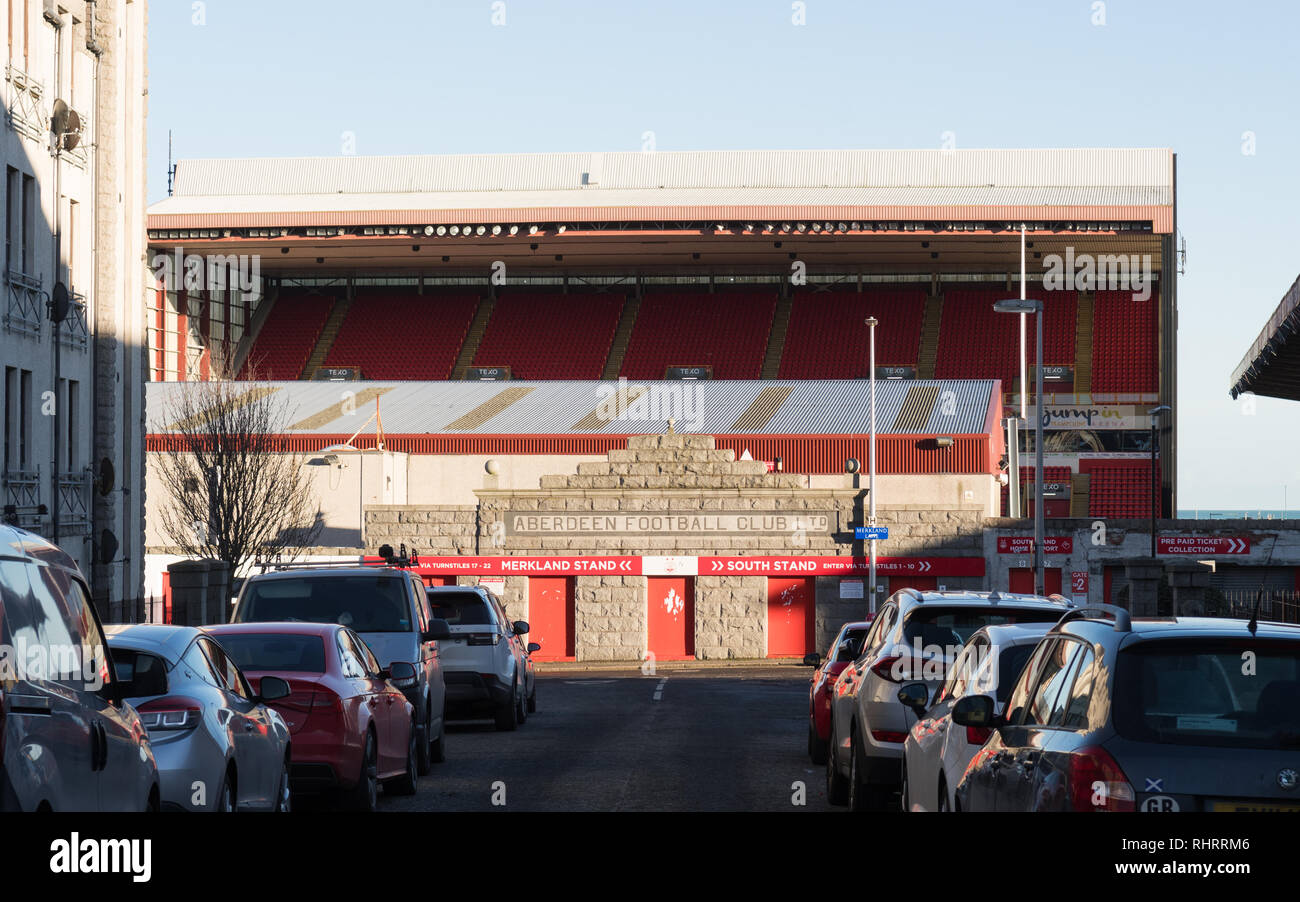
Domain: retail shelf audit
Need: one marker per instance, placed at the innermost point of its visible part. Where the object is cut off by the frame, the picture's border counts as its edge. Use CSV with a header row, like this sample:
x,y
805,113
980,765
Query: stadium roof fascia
x,y
914,186
1271,366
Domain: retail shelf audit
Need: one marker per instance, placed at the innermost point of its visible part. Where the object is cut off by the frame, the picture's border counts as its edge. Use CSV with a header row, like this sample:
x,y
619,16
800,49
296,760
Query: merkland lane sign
x,y
867,533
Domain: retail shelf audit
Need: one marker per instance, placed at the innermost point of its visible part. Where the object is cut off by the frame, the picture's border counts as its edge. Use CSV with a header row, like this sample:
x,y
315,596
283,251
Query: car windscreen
x,y
1241,694
140,673
950,627
850,645
278,652
461,608
366,603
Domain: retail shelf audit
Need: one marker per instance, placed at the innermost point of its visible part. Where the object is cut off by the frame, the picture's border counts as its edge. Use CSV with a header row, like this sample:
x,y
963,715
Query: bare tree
x,y
237,490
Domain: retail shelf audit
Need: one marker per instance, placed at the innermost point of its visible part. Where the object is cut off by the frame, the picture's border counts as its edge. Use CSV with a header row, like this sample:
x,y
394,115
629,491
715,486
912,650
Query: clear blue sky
x,y
289,77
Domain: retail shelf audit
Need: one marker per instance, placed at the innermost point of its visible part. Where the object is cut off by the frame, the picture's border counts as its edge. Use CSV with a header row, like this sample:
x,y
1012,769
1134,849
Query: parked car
x,y
220,745
1115,713
844,649
386,606
915,637
352,728
936,752
69,740
487,663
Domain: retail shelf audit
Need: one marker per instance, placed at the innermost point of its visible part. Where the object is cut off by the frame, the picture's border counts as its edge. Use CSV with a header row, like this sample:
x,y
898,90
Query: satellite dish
x,y
60,301
107,546
65,123
107,476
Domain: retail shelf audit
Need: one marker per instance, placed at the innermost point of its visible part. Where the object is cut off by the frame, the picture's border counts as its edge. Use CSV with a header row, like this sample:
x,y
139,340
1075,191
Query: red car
x,y
844,650
350,726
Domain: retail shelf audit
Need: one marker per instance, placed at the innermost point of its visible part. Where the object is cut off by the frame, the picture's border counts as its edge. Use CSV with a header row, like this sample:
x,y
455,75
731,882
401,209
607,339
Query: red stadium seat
x,y
1124,344
977,343
828,337
1118,488
430,328
550,335
726,329
287,337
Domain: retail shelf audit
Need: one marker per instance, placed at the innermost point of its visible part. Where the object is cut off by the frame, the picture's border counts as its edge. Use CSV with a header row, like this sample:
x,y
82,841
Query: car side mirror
x,y
812,660
976,711
271,688
521,626
402,673
534,646
915,696
437,630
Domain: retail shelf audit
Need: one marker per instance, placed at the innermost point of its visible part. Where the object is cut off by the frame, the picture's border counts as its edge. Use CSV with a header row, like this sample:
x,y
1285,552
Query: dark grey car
x,y
1118,714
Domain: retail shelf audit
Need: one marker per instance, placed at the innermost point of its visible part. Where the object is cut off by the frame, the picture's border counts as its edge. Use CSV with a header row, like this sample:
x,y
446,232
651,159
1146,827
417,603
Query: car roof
x,y
170,640
983,599
33,548
856,625
1009,634
292,572
1145,628
295,628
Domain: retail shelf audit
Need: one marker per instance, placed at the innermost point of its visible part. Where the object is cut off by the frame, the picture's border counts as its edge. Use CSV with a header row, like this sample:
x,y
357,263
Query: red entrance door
x,y
670,619
790,617
551,616
439,580
1022,580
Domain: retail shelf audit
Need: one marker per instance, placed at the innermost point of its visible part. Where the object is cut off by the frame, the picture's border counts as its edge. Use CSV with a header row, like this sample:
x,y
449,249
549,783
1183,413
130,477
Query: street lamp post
x,y
1024,306
872,322
1155,483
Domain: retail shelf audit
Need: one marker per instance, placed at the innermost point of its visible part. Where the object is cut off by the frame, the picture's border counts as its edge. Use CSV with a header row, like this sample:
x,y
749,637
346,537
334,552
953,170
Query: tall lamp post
x,y
1024,306
872,322
1155,413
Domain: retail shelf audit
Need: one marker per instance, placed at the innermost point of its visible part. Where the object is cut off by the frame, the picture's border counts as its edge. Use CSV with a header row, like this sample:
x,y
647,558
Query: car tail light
x,y
483,639
170,713
884,668
1097,783
888,736
978,735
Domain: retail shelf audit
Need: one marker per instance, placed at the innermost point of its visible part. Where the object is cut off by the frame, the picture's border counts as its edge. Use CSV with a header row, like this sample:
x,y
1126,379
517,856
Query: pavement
x,y
695,736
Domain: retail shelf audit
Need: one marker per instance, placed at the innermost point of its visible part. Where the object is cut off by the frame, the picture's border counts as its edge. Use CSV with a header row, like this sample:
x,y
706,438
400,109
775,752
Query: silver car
x,y
218,743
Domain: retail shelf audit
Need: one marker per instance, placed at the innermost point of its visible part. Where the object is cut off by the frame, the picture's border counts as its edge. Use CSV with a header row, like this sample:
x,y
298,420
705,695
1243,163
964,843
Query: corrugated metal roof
x,y
812,407
658,171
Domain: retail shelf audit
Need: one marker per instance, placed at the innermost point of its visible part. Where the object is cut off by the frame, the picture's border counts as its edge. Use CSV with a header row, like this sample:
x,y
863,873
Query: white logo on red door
x,y
673,603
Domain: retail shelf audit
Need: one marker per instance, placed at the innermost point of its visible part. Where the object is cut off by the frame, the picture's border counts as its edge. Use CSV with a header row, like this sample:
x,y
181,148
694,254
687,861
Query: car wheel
x,y
424,750
906,802
406,784
365,795
438,748
532,699
284,797
857,790
521,709
816,745
507,717
837,789
226,795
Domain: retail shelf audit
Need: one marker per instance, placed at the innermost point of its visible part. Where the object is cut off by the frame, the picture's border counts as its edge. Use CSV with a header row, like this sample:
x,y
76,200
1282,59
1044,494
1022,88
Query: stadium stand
x,y
1118,488
1125,356
1050,475
288,336
549,335
977,343
828,338
432,328
686,327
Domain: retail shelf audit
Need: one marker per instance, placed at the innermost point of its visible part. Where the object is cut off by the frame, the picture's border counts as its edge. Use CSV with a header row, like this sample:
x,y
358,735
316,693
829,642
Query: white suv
x,y
486,663
914,638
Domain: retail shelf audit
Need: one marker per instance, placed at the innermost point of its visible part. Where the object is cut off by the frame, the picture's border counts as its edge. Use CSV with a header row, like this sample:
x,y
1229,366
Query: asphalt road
x,y
707,740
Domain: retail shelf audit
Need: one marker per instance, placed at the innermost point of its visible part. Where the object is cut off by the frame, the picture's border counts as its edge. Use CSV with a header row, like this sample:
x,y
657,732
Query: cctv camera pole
x,y
871,477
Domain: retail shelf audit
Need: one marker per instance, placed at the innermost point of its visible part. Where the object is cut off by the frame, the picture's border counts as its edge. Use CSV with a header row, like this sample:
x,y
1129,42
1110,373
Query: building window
x,y
25,419
70,418
11,415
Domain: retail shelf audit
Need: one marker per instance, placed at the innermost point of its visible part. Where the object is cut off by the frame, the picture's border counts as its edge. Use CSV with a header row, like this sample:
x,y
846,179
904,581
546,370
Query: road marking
x,y
659,690
588,682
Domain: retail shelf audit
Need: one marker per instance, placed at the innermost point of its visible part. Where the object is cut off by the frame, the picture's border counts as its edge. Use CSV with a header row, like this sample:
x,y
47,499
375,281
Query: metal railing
x,y
74,503
1281,605
22,491
25,112
25,299
74,331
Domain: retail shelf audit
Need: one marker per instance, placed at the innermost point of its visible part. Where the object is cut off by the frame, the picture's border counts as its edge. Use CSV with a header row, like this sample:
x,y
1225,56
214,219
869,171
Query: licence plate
x,y
1253,805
